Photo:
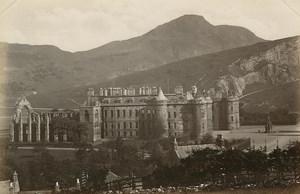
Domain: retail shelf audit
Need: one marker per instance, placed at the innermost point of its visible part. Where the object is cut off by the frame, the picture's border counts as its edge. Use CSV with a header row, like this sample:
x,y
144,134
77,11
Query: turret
x,y
226,113
202,116
161,124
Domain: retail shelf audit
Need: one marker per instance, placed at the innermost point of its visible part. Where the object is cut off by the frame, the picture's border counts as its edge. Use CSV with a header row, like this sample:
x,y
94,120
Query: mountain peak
x,y
191,21
186,24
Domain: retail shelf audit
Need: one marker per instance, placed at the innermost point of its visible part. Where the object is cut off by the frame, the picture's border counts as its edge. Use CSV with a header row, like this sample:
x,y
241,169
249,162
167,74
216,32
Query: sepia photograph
x,y
149,96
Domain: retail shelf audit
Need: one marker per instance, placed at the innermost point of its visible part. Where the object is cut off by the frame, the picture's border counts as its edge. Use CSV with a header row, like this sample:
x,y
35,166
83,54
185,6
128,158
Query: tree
x,y
256,165
203,164
292,159
232,163
277,163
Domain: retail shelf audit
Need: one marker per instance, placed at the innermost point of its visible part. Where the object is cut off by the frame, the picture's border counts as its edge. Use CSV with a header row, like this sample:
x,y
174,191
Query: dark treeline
x,y
280,116
217,168
228,168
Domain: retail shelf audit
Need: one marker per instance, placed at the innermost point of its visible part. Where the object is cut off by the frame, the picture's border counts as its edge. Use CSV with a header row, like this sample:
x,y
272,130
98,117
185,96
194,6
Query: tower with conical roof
x,y
161,124
202,116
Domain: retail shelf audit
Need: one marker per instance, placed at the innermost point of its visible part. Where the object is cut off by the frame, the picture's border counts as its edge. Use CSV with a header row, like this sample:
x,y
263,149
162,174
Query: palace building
x,y
123,112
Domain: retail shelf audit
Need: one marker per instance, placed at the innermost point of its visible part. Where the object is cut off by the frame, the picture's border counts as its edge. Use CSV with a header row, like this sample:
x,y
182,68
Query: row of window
x,y
130,113
122,134
135,125
136,113
121,125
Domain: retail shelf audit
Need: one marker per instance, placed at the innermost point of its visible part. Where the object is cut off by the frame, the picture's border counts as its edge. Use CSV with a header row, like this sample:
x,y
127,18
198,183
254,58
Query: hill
x,y
261,73
47,68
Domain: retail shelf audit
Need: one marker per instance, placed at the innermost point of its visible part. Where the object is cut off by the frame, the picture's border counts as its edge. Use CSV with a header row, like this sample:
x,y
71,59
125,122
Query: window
x,y
175,115
142,113
131,133
111,125
169,115
148,113
96,116
105,125
105,113
175,125
212,108
119,126
213,118
130,125
232,108
125,133
231,118
169,125
111,113
86,115
118,113
136,113
125,125
136,124
124,113
130,113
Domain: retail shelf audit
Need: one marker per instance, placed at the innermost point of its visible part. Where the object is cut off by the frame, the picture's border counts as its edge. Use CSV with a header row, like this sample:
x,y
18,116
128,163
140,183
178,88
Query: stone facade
x,y
150,114
123,112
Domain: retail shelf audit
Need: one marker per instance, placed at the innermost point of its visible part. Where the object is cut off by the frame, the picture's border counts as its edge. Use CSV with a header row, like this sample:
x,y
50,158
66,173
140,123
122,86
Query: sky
x,y
86,24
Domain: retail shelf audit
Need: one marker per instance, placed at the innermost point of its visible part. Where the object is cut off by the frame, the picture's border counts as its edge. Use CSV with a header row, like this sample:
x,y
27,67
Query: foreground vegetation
x,y
212,169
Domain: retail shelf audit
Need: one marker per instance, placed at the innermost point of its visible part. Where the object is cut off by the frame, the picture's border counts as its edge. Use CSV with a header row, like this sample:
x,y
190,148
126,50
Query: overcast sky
x,y
85,24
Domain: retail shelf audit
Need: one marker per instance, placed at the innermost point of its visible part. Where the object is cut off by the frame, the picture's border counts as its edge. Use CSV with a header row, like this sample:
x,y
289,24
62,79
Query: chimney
x,y
105,92
101,92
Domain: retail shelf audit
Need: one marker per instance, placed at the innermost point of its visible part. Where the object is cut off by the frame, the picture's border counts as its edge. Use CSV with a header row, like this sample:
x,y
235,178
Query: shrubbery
x,y
230,167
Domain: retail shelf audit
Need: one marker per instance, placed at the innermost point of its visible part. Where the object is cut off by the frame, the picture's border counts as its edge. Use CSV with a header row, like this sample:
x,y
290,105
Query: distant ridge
x,y
272,68
46,68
